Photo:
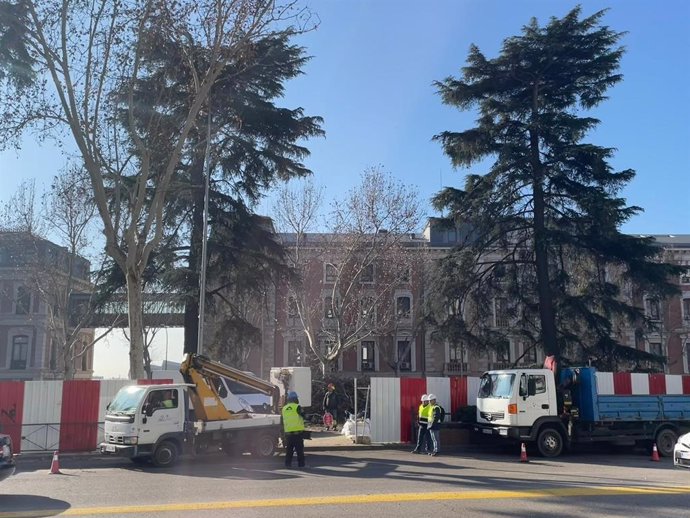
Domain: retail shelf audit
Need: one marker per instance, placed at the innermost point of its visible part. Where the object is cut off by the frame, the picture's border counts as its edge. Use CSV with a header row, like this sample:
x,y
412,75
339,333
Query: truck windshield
x,y
496,385
127,400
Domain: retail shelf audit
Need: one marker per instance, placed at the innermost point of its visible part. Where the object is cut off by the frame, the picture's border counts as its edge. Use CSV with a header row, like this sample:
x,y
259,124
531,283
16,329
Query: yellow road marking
x,y
358,499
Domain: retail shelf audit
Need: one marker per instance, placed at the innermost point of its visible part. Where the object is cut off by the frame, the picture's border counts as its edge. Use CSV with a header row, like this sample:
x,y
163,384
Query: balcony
x,y
455,367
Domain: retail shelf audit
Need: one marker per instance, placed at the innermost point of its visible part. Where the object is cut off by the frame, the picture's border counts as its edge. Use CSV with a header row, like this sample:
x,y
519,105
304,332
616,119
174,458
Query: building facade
x,y
409,348
34,274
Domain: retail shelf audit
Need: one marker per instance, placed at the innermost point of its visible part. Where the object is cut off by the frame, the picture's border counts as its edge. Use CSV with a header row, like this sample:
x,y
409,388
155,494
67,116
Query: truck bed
x,y
255,421
642,408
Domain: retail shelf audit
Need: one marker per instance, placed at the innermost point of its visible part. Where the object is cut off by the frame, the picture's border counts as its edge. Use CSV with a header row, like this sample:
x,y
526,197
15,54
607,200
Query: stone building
x,y
34,274
411,344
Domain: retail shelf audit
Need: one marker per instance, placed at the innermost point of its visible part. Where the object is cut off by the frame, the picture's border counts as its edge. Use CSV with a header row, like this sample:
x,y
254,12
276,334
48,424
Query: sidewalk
x,y
324,441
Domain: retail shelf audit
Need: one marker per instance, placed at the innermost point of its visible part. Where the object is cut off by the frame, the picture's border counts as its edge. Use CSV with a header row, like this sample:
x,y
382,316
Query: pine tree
x,y
545,240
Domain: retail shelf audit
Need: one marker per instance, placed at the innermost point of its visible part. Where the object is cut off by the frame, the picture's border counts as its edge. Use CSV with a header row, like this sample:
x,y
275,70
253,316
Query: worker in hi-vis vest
x,y
423,439
293,428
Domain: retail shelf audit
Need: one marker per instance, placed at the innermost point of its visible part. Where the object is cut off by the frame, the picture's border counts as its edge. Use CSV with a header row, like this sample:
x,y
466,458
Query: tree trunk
x,y
68,370
546,311
136,325
191,310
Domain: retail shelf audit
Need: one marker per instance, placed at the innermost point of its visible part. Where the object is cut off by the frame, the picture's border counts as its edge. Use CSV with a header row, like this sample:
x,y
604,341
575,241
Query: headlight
x,y
5,452
132,439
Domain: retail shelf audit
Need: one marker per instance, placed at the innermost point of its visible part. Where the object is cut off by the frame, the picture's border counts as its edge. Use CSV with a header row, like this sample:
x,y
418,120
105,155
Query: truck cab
x,y
520,404
141,417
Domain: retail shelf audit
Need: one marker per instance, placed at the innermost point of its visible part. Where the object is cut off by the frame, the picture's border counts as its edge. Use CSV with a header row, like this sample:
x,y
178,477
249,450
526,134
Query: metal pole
x,y
355,410
204,240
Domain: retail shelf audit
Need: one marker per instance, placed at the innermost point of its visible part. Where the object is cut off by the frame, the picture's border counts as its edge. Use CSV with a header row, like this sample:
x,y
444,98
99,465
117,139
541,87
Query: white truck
x,y
527,405
158,423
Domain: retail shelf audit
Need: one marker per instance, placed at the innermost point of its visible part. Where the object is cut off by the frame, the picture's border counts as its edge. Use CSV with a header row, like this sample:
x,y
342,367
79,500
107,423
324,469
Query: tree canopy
x,y
544,246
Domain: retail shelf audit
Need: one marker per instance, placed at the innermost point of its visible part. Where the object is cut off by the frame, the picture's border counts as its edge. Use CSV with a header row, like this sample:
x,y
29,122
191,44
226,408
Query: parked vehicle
x,y
681,452
526,405
7,462
160,422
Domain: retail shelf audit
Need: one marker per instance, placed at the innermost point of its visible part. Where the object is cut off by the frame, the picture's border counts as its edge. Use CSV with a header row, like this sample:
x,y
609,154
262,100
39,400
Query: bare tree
x,y
345,279
76,69
59,275
22,211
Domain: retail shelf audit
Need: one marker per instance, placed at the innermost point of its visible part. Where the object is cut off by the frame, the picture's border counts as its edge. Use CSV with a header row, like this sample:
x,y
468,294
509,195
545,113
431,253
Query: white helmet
x,y
431,397
425,398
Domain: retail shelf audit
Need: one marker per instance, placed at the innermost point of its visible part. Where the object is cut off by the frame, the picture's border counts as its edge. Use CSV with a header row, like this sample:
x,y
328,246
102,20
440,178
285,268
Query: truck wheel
x,y
165,455
264,445
666,439
550,443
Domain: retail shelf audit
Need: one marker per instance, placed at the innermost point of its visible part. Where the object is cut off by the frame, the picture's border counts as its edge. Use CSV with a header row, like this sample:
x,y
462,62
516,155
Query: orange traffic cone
x,y
523,453
55,465
655,454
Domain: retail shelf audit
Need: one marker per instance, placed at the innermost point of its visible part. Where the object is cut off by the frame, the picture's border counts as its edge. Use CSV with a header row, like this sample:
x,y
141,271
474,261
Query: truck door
x,y
533,399
162,412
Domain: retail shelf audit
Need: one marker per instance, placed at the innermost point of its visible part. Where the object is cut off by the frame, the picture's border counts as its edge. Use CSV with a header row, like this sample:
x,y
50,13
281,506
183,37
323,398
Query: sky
x,y
371,74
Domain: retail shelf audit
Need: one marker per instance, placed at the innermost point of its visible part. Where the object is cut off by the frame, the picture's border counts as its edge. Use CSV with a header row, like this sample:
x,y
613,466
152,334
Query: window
x,y
292,308
652,309
402,308
455,352
368,360
23,301
328,310
84,358
367,308
53,356
405,355
530,353
686,310
500,312
367,274
331,272
20,352
502,355
296,353
538,382
161,400
685,277
655,348
457,358
328,348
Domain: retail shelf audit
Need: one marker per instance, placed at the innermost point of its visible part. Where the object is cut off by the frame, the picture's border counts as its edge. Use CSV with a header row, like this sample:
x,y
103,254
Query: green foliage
x,y
545,241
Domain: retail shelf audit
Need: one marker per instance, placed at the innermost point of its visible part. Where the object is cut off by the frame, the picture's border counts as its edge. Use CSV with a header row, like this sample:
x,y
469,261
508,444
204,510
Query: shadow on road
x,y
36,506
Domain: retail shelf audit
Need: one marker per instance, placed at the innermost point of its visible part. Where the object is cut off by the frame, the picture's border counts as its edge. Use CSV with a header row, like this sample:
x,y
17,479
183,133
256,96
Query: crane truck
x,y
526,405
158,423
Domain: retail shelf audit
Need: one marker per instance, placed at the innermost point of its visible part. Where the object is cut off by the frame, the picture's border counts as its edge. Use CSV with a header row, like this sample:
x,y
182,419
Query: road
x,y
381,482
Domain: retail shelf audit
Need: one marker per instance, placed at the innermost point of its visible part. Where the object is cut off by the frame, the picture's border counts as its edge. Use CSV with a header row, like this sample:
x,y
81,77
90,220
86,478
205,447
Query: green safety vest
x,y
430,414
292,421
423,413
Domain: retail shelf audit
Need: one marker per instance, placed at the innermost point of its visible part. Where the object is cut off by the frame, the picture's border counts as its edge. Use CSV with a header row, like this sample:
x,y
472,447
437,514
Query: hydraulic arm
x,y
206,376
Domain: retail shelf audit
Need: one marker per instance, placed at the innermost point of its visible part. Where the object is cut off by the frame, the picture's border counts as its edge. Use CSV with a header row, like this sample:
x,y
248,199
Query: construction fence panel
x,y
12,410
41,418
79,416
440,387
411,392
385,410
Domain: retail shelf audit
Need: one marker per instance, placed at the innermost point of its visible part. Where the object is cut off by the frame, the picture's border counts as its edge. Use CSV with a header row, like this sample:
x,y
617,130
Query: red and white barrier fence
x,y
69,415
57,415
